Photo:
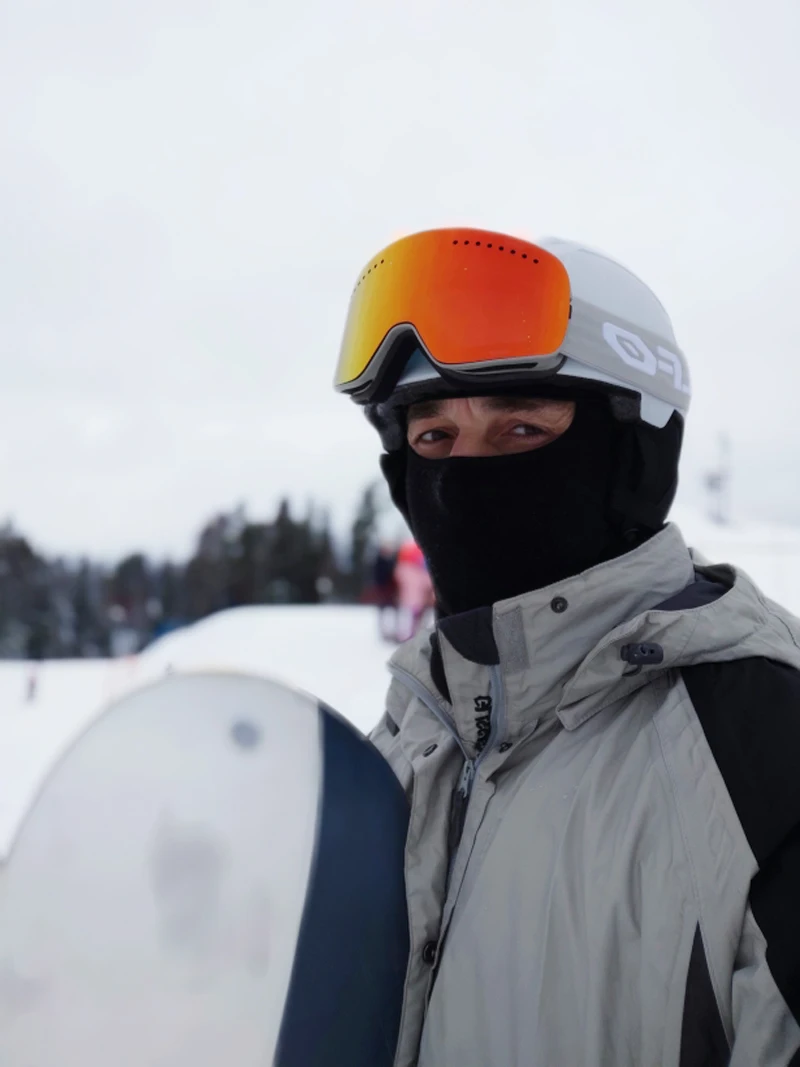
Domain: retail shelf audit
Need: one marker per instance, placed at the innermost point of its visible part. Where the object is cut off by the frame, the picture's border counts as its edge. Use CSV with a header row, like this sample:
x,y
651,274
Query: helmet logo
x,y
632,350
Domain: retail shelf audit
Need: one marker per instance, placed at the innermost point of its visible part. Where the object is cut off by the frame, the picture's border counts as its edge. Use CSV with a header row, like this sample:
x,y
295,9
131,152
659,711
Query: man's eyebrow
x,y
514,403
432,409
425,409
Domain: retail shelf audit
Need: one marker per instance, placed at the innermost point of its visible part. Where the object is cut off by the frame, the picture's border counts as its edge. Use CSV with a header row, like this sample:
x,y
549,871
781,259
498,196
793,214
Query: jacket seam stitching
x,y
774,615
685,700
417,687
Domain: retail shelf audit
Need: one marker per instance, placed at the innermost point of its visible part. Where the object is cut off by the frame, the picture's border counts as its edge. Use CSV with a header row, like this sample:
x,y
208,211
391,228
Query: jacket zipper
x,y
463,791
498,725
461,795
458,812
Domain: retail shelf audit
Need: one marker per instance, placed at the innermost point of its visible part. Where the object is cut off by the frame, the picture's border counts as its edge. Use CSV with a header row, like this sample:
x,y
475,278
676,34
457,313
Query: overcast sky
x,y
189,187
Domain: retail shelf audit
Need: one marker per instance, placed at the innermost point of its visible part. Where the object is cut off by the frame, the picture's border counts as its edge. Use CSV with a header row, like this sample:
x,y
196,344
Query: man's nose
x,y
470,443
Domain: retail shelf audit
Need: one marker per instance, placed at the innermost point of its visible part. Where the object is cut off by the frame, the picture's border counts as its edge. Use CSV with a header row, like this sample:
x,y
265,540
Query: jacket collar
x,y
535,644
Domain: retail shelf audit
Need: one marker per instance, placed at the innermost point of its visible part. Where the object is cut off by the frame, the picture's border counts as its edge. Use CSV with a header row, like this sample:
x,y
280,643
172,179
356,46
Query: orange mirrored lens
x,y
473,297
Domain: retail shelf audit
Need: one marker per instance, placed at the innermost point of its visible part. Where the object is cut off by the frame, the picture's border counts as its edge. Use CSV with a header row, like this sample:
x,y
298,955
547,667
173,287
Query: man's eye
x,y
525,429
430,437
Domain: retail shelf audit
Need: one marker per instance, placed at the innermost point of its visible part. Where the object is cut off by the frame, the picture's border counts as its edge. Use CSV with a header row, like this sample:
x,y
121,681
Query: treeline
x,y
57,608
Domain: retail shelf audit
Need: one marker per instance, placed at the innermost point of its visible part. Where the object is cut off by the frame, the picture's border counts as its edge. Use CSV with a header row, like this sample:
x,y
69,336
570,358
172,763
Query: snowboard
x,y
211,875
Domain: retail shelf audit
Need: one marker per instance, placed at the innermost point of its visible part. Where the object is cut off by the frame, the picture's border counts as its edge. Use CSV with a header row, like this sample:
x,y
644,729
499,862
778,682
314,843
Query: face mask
x,y
495,527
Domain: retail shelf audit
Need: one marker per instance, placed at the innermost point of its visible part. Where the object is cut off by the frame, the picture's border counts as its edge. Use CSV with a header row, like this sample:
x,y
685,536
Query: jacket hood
x,y
559,650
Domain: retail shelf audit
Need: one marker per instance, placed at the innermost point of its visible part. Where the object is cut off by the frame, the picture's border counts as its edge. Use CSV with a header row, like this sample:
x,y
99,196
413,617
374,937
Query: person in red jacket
x,y
415,590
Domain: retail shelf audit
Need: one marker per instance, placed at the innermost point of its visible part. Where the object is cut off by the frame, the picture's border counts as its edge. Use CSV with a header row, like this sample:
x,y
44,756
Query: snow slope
x,y
332,652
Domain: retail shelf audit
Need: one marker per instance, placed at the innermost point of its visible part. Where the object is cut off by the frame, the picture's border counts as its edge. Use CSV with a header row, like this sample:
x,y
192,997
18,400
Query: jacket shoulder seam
x,y
681,695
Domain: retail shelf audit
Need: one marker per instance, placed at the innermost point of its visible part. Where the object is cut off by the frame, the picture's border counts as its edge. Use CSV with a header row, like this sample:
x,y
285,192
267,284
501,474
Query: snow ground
x,y
768,553
332,652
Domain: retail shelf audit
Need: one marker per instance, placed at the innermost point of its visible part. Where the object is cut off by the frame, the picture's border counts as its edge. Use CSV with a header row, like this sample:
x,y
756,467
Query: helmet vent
x,y
500,248
476,244
369,271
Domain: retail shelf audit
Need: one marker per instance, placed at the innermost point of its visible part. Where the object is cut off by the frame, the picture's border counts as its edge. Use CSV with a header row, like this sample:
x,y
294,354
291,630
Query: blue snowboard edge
x,y
346,990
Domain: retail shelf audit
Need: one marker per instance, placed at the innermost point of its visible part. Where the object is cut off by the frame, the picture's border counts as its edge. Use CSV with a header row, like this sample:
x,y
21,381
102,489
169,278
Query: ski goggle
x,y
476,301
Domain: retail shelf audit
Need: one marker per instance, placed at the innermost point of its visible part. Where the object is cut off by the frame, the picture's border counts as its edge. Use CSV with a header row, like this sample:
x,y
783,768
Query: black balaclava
x,y
495,527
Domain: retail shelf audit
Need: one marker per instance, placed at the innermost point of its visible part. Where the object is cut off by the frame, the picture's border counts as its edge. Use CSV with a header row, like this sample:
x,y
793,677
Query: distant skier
x,y
415,590
384,590
33,683
36,646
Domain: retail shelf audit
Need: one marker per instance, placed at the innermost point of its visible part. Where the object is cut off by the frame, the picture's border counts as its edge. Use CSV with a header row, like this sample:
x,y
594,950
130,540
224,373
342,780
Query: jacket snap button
x,y
506,745
559,604
430,749
429,952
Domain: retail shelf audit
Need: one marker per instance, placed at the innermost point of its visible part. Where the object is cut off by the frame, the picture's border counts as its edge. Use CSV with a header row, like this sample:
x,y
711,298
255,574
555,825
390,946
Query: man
x,y
600,739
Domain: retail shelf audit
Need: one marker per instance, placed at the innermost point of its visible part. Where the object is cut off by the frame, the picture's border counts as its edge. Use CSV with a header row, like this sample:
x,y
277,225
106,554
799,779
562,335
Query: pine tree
x,y
362,540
